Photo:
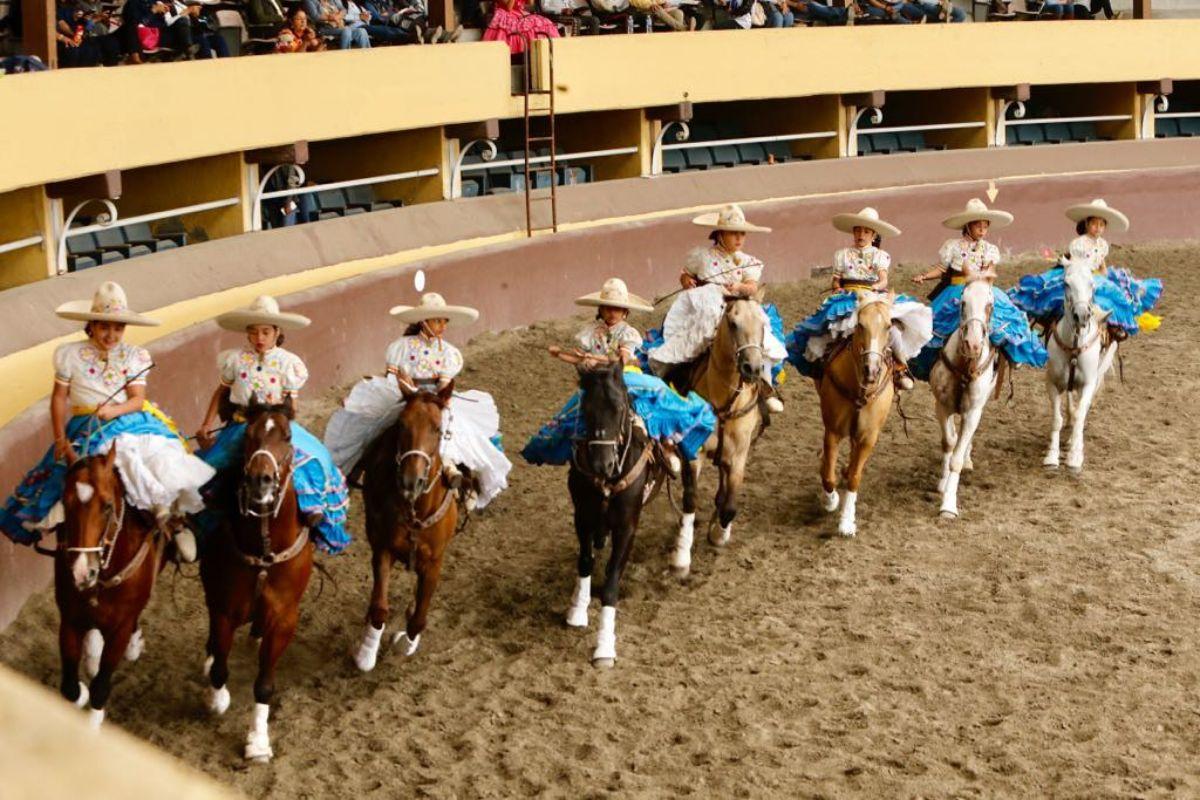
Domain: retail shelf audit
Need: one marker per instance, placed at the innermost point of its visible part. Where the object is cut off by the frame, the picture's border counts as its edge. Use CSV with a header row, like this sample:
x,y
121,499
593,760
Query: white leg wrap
x,y
950,496
258,741
606,637
847,526
95,718
682,557
137,644
218,700
719,537
93,646
830,501
368,648
577,614
407,646
83,698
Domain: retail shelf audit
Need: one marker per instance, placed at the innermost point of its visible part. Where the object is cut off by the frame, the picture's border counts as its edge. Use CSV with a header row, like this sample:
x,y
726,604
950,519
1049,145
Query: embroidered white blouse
x,y
266,378
424,359
864,265
94,374
601,340
967,256
713,265
1093,252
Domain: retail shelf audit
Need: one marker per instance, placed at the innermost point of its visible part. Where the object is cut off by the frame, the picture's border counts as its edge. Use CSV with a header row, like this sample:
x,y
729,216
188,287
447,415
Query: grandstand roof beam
x,y
874,99
487,129
1017,93
106,185
676,112
295,153
1161,87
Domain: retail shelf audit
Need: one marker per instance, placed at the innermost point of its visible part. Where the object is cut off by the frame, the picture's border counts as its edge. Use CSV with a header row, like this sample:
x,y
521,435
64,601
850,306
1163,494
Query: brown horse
x,y
258,569
104,568
856,394
729,377
411,515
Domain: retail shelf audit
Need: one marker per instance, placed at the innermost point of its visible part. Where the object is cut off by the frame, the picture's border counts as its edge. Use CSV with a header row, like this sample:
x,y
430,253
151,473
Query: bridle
x,y
725,412
609,485
281,477
1075,349
864,393
967,368
114,523
432,464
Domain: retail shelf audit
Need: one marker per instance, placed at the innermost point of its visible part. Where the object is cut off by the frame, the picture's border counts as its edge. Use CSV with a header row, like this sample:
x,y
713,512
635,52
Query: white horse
x,y
1077,364
962,380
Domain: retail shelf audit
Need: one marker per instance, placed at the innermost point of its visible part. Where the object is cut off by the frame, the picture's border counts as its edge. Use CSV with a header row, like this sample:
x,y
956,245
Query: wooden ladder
x,y
532,140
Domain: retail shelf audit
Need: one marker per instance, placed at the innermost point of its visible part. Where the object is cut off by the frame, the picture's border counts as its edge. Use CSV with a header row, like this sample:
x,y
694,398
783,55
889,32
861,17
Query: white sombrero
x,y
263,311
433,306
867,218
1098,208
617,295
976,209
107,305
729,218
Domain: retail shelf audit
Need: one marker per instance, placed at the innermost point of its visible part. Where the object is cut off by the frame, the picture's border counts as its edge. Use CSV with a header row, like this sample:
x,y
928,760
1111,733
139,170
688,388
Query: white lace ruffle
x,y
691,325
914,330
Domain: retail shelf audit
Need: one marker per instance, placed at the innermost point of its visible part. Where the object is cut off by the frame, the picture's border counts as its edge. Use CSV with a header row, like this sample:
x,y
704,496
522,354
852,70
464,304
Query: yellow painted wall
x,y
24,213
223,106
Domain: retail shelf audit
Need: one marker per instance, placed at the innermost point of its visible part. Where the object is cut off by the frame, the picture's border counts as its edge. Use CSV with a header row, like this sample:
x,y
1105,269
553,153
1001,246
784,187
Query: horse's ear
x,y
111,457
760,295
289,407
445,393
406,390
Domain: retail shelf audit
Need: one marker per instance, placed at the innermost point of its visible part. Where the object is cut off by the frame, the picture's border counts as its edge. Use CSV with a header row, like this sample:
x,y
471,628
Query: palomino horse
x,y
610,473
728,378
411,515
965,375
1077,364
856,394
259,568
107,557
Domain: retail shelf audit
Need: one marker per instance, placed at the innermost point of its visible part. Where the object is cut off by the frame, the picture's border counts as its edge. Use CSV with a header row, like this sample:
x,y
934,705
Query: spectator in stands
x,y
1095,7
265,12
816,11
740,14
778,13
332,21
396,21
670,15
576,14
516,25
208,42
897,11
299,36
82,34
940,10
145,26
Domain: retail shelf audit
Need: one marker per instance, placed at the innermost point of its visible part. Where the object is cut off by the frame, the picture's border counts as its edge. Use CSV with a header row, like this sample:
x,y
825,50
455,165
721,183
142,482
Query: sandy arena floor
x,y
1043,645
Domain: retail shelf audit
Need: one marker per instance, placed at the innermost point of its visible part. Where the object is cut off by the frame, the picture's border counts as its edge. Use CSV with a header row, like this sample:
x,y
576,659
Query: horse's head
x,y
418,446
742,325
1078,291
975,318
871,336
607,417
94,501
268,459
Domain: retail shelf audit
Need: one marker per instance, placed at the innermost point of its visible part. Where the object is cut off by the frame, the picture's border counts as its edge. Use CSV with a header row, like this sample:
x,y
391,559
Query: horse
x,y
855,389
729,377
104,569
964,377
258,569
610,479
1078,361
411,515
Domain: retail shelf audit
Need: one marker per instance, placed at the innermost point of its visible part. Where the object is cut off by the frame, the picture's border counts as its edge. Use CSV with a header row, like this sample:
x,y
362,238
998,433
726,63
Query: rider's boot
x,y
902,376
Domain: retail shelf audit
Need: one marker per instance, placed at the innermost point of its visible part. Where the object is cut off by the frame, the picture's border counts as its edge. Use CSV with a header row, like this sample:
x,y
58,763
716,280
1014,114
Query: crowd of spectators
x,y
108,32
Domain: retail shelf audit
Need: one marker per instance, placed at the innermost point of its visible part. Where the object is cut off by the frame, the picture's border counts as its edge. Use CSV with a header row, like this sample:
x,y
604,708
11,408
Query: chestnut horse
x,y
611,474
104,568
728,377
411,515
856,392
258,568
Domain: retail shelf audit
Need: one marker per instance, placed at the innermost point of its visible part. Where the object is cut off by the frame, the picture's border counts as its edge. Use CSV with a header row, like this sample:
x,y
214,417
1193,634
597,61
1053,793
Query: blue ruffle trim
x,y
1123,296
1010,331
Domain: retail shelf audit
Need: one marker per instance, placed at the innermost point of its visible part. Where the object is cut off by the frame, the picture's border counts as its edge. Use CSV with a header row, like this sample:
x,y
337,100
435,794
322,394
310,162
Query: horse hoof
x,y
719,537
946,513
968,466
365,659
83,698
218,700
407,646
681,571
577,617
830,501
847,530
258,749
1075,471
136,646
604,663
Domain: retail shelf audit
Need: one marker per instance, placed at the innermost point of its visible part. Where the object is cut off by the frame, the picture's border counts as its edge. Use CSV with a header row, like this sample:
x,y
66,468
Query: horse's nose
x,y
747,370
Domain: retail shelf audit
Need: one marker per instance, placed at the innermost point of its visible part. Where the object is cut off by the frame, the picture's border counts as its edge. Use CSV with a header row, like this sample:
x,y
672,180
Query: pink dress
x,y
516,26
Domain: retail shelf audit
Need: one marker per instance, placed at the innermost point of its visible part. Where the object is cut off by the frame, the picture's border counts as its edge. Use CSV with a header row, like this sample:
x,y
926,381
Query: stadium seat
x,y
85,245
1010,136
1031,134
866,145
1057,132
779,150
571,176
472,187
753,153
363,198
1189,126
1084,131
912,141
111,239
725,156
674,161
699,158
886,143
80,263
231,19
330,204
1166,128
140,234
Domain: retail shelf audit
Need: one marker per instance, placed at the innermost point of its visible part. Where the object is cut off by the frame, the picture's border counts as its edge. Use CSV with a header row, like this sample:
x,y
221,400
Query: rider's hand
x,y
204,437
106,412
919,279
687,280
64,452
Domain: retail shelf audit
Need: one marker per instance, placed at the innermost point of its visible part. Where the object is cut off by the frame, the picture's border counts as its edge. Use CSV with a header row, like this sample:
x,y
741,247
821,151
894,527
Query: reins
x,y
281,483
1074,350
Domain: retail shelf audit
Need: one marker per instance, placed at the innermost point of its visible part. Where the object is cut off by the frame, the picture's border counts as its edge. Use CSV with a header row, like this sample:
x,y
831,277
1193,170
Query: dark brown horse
x,y
411,516
258,568
608,479
104,568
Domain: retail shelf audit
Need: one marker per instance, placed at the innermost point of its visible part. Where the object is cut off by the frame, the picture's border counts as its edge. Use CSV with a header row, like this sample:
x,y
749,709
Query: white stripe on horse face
x,y
270,426
85,491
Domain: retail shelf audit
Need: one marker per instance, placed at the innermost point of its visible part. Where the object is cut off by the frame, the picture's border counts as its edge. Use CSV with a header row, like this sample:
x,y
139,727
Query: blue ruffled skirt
x,y
654,338
319,484
669,416
1123,296
833,309
43,485
1010,331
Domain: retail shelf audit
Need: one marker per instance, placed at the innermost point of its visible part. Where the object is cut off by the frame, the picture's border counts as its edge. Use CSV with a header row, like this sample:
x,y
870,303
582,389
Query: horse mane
x,y
256,410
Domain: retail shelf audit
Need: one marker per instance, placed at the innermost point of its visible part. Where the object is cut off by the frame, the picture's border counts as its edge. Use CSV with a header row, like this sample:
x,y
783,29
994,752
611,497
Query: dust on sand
x,y
1043,644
